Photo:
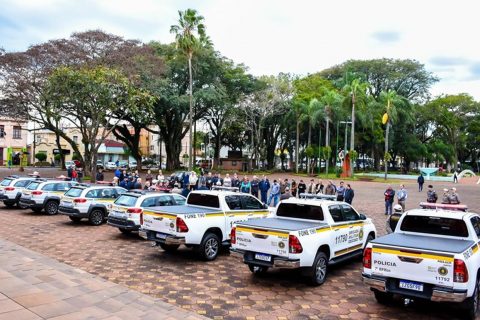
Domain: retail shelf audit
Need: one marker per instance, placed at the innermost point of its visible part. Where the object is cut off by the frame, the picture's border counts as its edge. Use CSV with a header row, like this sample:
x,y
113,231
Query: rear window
x,y
22,183
6,182
435,225
33,185
126,200
300,211
74,192
205,200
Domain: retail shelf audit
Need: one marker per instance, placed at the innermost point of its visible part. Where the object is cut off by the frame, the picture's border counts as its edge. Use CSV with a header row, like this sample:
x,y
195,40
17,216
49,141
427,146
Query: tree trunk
x,y
62,156
385,161
296,146
309,141
190,115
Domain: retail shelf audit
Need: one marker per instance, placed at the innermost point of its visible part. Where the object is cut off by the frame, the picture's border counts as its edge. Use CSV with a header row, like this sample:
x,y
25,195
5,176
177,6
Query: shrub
x,y
41,156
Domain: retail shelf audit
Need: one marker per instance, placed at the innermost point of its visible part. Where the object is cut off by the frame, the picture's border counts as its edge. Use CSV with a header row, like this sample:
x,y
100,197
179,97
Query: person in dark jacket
x,y
264,186
130,183
209,181
302,187
432,196
254,186
137,184
348,194
99,176
118,172
124,183
389,195
421,181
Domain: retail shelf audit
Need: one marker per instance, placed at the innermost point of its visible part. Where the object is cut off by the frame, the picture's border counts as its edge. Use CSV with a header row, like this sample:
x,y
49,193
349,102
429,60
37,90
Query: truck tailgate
x,y
268,236
417,258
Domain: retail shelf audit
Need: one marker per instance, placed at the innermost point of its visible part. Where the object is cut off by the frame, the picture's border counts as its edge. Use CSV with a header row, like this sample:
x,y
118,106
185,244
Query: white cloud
x,y
271,36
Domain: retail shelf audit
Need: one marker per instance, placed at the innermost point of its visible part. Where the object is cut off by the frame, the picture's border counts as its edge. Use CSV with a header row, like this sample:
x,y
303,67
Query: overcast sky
x,y
272,36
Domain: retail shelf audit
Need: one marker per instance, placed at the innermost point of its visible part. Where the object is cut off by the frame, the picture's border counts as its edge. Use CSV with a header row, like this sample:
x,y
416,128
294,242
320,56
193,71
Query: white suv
x,y
125,211
89,202
45,195
11,188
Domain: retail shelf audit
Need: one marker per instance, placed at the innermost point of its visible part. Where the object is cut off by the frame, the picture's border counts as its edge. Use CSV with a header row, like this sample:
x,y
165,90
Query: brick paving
x,y
33,286
225,288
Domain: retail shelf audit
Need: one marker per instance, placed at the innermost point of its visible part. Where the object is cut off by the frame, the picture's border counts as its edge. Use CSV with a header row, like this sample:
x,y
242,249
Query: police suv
x,y
305,233
125,212
204,223
89,202
43,194
11,188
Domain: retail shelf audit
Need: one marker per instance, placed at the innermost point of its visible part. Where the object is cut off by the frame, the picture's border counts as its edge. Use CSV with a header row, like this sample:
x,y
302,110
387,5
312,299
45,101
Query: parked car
x,y
125,211
11,189
311,234
111,165
89,202
100,164
132,164
69,164
45,195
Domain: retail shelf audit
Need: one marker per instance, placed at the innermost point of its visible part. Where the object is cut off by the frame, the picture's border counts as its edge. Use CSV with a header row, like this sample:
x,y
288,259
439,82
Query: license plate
x,y
161,236
26,197
263,257
410,285
66,204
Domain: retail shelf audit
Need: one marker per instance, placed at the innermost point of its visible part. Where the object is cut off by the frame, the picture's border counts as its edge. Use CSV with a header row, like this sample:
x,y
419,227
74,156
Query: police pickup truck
x,y
305,233
432,255
204,223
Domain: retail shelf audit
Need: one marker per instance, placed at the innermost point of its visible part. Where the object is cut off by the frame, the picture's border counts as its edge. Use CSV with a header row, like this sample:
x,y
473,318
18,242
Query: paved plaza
x,y
222,289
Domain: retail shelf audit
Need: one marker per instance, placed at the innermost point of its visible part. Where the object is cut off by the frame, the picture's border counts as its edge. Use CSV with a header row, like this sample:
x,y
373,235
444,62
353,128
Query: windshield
x,y
74,192
204,200
126,200
6,182
33,185
435,225
300,211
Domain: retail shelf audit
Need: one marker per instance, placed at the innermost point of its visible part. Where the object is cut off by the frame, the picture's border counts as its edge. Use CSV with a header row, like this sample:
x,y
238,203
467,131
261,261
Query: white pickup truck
x,y
432,254
204,223
307,234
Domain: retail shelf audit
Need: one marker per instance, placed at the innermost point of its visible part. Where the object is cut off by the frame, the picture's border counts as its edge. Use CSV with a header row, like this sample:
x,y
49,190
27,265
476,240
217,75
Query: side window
x,y
178,200
233,202
62,187
349,214
476,224
48,187
108,193
21,183
120,191
95,193
165,201
336,213
250,203
149,202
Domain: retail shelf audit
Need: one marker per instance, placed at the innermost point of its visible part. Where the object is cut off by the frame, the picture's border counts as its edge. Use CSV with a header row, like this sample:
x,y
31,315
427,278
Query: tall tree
x,y
311,115
189,36
331,100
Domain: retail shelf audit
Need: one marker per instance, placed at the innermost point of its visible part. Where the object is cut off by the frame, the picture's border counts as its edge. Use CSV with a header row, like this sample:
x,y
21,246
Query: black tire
x,y
318,272
9,204
37,210
470,305
257,270
96,217
75,219
209,247
51,208
125,231
169,247
383,297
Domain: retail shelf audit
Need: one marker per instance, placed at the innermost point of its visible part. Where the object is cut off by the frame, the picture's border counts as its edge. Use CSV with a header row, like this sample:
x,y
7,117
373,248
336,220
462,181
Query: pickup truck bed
x,y
185,209
424,243
282,224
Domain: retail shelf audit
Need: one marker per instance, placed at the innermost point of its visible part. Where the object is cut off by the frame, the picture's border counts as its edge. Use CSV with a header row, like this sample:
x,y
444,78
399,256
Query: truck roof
x,y
313,202
216,192
452,214
282,224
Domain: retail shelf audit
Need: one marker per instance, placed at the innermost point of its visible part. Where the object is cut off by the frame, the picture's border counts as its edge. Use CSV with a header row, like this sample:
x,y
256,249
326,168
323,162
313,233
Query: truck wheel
x,y
383,297
319,269
9,204
51,207
209,247
471,304
75,219
257,270
96,217
169,247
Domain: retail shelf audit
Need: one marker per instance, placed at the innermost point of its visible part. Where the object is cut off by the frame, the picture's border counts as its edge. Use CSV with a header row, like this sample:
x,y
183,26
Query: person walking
x,y
274,194
402,196
389,197
302,187
254,186
340,192
349,194
245,187
455,177
432,196
99,176
420,181
264,186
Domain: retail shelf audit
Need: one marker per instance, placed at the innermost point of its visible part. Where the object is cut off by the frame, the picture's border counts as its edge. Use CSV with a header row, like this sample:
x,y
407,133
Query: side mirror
x,y
363,217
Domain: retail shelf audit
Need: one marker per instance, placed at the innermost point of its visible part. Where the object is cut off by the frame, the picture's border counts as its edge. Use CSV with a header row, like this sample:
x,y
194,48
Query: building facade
x,y
13,142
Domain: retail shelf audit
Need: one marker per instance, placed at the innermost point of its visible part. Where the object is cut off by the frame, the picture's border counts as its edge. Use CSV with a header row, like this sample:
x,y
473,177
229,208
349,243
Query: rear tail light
x,y
37,193
233,234
367,258
80,200
460,272
9,188
181,225
294,244
135,210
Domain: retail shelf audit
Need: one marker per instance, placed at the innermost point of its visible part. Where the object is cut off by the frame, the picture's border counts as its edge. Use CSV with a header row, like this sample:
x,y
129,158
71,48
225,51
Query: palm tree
x,y
311,114
189,36
297,110
331,100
